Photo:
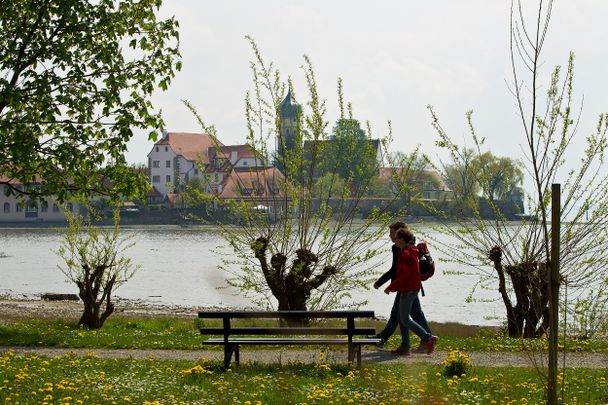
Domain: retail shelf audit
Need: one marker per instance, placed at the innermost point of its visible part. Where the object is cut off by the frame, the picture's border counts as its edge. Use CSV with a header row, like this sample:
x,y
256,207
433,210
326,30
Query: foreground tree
x,y
93,260
76,78
311,249
518,255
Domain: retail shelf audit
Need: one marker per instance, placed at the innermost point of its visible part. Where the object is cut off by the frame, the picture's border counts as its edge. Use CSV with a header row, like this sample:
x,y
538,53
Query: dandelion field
x,y
68,379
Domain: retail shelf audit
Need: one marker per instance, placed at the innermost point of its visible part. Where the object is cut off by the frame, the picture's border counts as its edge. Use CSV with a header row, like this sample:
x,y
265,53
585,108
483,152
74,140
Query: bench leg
x,y
354,350
228,350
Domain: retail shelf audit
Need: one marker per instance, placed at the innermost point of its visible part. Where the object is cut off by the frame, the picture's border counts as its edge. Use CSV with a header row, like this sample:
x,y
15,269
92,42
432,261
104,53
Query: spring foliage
x,y
311,244
93,260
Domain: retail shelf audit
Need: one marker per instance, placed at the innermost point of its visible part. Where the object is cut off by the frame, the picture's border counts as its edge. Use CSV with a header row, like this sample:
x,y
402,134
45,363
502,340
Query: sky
x,y
394,57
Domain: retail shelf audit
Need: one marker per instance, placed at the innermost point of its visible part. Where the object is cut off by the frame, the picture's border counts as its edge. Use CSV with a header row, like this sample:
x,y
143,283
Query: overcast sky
x,y
395,58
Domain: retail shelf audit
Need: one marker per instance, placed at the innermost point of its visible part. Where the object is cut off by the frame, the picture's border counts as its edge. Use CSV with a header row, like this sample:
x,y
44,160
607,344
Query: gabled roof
x,y
190,145
225,152
153,192
244,151
259,181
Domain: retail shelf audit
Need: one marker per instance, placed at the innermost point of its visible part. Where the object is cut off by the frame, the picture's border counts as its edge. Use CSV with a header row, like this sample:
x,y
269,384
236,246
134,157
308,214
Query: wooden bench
x,y
282,334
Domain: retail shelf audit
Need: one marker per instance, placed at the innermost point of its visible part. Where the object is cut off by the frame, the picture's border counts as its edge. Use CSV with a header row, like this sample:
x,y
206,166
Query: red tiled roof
x,y
244,151
259,181
190,145
154,192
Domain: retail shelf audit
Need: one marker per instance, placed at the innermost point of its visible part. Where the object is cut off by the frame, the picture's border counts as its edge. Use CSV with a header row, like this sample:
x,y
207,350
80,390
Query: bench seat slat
x,y
288,341
287,331
279,314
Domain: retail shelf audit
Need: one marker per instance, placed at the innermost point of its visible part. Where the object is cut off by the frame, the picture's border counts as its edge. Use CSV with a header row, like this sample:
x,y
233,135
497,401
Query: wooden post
x,y
554,282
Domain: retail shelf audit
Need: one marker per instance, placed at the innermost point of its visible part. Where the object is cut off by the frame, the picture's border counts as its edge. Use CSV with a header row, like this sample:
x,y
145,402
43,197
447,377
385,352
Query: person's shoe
x,y
378,336
400,351
421,348
430,344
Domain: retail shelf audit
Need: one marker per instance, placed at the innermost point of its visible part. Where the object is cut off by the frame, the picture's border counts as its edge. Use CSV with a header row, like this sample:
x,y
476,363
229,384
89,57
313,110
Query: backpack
x,y
425,262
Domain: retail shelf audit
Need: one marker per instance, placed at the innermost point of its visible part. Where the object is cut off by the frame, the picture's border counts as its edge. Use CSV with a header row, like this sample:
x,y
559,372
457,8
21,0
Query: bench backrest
x,y
228,329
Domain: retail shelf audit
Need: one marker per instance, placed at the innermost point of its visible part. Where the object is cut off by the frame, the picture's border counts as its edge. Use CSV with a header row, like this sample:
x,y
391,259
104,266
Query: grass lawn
x,y
69,379
74,380
178,333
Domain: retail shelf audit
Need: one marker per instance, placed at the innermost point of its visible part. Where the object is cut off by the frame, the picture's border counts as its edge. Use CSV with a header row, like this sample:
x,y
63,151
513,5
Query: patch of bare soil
x,y
19,309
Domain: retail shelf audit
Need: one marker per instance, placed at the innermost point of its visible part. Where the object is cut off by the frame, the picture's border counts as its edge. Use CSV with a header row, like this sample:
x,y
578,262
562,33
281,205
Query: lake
x,y
178,267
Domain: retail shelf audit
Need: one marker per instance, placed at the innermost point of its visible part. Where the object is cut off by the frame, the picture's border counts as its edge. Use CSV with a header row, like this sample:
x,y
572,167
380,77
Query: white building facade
x,y
14,209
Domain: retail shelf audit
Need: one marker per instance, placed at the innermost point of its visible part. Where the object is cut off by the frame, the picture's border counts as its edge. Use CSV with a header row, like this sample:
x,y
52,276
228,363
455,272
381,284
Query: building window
x,y
156,163
31,206
18,207
6,188
157,148
168,163
166,149
55,208
196,172
155,179
168,178
244,163
44,208
7,207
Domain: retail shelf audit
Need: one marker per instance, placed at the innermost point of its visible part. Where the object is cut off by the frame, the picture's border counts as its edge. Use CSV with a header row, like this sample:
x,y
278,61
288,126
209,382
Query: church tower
x,y
286,140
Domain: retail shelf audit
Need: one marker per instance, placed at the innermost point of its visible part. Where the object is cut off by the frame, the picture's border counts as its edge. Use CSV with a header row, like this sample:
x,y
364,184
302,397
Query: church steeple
x,y
289,108
287,138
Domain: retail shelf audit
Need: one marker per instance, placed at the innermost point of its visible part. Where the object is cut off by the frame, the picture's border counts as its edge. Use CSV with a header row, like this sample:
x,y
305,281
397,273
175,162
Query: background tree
x,y
497,176
460,176
76,78
330,185
350,152
516,255
94,262
406,177
312,250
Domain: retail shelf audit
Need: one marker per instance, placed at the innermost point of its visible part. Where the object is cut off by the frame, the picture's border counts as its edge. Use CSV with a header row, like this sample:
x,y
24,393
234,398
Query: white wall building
x,y
14,209
173,160
180,157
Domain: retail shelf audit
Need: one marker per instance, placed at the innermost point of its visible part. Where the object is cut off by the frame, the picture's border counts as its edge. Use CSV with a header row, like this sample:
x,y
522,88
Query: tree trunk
x,y
528,317
88,292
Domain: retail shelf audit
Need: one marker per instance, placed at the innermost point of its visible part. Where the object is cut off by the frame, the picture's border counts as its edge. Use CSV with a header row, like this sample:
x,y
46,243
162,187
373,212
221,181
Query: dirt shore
x,y
15,308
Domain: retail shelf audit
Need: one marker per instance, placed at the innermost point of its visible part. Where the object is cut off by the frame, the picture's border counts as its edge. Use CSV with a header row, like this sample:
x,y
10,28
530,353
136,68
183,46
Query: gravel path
x,y
12,308
284,356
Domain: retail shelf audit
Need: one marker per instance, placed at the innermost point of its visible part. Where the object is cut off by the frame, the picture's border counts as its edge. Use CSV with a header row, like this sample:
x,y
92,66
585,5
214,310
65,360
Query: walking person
x,y
416,311
407,283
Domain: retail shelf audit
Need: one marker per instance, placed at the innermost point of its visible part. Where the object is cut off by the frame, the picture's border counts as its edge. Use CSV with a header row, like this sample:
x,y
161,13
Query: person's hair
x,y
397,225
405,235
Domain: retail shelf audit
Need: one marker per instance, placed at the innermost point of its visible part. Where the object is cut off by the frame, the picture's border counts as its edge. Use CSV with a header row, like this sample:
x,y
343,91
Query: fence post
x,y
553,285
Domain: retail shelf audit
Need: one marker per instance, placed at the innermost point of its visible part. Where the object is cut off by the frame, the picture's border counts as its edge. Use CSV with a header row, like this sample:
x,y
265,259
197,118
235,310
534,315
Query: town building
x,y
15,208
225,171
177,158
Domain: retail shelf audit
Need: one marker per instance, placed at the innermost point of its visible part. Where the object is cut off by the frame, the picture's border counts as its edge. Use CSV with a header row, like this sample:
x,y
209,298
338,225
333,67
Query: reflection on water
x,y
178,266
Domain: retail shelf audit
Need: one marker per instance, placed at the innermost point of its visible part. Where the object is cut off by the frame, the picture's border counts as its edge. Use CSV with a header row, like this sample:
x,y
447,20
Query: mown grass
x,y
70,379
180,333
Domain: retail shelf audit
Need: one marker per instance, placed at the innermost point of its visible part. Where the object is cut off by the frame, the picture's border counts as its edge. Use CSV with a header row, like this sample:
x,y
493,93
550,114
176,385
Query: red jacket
x,y
407,271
